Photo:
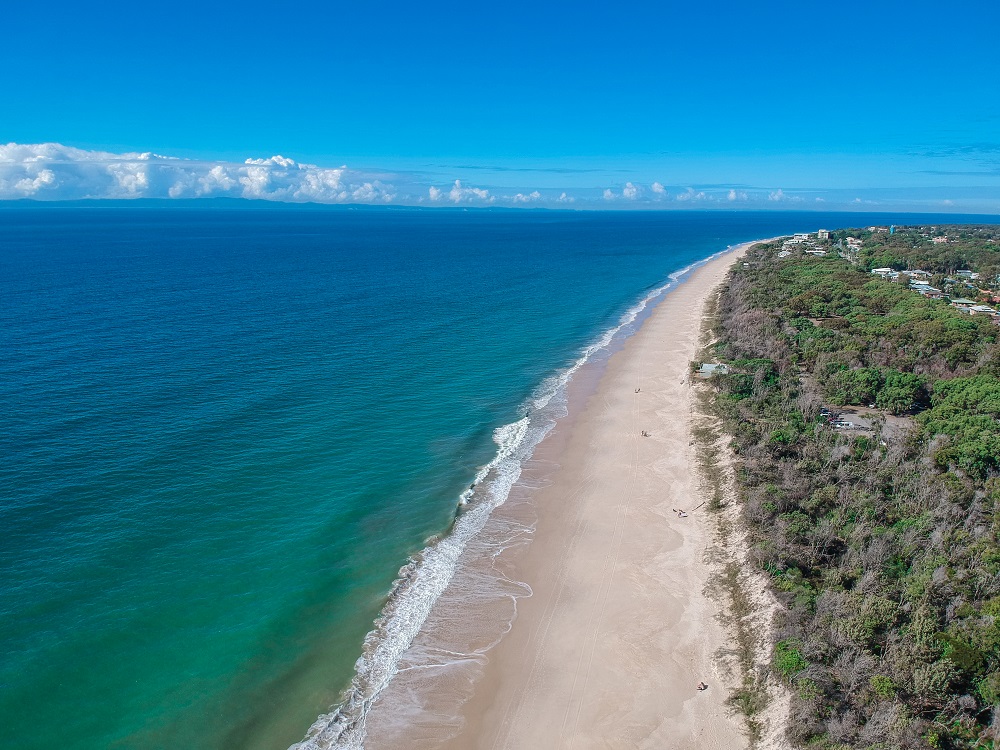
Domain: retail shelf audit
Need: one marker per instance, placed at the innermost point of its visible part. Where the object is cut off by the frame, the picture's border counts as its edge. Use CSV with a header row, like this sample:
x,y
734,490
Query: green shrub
x,y
857,386
882,686
988,689
900,391
788,659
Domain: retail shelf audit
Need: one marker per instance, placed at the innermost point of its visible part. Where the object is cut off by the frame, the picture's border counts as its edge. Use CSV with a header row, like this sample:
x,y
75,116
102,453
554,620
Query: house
x,y
982,310
967,274
883,272
823,234
924,288
962,302
708,369
784,254
854,243
816,252
920,274
939,240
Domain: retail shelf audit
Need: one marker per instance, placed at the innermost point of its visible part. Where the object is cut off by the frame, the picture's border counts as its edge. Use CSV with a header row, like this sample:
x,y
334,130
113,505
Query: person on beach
x,y
680,513
702,686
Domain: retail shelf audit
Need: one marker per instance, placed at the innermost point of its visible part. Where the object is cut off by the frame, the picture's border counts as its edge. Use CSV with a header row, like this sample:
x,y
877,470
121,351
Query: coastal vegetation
x,y
865,421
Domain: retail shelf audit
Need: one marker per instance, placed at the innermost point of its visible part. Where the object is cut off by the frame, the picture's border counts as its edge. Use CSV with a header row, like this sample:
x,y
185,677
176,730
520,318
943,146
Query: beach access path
x,y
609,649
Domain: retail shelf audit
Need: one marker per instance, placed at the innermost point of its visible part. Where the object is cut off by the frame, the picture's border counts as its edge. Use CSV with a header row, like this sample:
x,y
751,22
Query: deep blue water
x,y
225,430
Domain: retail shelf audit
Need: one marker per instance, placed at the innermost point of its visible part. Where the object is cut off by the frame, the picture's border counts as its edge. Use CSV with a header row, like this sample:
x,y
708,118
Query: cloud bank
x,y
52,171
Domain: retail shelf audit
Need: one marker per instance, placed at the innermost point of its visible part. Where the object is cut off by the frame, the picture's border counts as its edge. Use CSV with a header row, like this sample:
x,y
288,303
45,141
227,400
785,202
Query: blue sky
x,y
840,101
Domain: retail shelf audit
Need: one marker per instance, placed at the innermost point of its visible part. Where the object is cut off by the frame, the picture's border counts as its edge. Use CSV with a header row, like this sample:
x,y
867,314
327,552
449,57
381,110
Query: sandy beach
x,y
608,649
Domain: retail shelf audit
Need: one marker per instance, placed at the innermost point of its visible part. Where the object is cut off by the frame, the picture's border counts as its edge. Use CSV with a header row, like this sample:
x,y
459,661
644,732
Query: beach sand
x,y
618,631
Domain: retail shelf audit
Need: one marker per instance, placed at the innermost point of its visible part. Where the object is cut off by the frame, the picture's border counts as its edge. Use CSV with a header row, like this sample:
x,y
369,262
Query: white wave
x,y
507,438
419,585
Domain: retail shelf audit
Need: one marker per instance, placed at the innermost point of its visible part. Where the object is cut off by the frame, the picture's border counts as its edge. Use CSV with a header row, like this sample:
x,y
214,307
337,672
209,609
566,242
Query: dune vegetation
x,y
878,530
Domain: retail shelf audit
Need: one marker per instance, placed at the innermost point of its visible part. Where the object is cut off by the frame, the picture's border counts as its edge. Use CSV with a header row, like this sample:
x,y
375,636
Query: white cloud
x,y
218,179
30,186
630,193
318,184
56,152
54,171
255,181
131,178
691,195
279,161
532,197
460,194
780,195
372,192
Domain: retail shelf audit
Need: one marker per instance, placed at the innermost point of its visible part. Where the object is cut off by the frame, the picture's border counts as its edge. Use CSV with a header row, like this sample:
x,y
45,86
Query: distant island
x,y
861,399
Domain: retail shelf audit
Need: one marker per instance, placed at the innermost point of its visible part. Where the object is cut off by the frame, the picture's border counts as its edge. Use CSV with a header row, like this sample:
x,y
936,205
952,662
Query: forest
x,y
881,542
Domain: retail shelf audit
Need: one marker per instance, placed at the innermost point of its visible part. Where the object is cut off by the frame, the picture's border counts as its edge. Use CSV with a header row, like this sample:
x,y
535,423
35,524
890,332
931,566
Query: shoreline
x,y
610,628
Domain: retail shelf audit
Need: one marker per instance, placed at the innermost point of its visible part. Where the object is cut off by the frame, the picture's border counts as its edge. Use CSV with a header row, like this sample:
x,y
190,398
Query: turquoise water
x,y
225,431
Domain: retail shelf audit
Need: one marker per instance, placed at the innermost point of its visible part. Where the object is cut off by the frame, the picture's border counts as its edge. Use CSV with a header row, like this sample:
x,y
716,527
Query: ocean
x,y
235,437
